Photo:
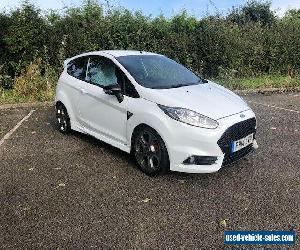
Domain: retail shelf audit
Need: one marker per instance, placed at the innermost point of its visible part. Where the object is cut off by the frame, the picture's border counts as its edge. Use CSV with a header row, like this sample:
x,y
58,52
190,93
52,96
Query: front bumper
x,y
190,141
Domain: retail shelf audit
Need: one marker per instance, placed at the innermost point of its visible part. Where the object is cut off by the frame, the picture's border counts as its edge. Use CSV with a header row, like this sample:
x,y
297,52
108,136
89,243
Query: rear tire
x,y
62,119
150,152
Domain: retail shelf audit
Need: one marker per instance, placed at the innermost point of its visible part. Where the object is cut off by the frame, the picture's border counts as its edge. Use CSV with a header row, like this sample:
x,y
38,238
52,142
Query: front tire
x,y
62,119
150,152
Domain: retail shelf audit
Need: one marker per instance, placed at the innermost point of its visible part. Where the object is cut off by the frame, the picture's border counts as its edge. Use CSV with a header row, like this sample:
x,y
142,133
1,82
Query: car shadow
x,y
97,143
125,157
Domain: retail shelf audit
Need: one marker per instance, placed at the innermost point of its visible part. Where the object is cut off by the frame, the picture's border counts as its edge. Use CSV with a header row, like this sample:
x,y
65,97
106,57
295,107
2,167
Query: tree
x,y
25,36
253,12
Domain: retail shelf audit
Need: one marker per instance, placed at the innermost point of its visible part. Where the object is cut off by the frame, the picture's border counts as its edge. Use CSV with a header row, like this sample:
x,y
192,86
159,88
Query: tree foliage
x,y
253,12
250,40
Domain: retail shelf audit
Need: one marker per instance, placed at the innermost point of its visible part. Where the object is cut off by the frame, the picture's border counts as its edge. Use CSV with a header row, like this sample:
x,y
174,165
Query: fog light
x,y
200,160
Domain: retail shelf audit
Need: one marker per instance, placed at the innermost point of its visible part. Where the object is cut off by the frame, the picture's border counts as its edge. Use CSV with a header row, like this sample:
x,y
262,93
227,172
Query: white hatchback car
x,y
158,110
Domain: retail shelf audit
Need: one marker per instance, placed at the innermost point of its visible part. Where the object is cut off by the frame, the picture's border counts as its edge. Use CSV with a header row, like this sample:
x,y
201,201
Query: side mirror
x,y
114,90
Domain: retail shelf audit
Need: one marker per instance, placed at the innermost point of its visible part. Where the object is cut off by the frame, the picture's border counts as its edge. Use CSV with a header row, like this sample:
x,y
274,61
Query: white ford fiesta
x,y
149,105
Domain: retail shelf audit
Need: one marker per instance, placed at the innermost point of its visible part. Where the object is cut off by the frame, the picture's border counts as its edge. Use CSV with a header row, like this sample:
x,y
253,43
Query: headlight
x,y
190,117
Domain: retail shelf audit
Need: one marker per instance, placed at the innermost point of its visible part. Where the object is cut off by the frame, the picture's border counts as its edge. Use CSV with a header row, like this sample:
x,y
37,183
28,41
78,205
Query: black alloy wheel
x,y
150,152
62,118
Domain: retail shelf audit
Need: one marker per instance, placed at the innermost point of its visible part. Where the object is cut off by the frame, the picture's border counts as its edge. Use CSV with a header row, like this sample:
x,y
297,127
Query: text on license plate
x,y
241,143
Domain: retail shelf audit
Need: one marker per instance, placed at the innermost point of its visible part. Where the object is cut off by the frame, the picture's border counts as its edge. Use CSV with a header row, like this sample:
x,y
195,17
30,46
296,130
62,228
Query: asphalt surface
x,y
75,192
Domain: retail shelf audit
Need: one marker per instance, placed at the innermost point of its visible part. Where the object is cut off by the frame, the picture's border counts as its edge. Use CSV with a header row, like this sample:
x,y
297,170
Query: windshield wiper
x,y
204,80
201,80
179,85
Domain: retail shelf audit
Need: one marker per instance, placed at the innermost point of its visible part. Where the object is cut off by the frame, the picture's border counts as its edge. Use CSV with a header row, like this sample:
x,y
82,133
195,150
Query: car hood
x,y
209,99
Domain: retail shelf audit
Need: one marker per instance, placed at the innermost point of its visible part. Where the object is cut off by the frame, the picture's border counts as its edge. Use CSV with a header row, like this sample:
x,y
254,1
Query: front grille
x,y
233,133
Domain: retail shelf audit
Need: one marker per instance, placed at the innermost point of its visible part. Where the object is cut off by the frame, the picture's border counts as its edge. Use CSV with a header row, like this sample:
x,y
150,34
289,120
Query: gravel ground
x,y
75,192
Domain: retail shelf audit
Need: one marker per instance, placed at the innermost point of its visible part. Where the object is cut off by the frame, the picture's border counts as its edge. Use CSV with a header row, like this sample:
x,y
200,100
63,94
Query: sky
x,y
197,8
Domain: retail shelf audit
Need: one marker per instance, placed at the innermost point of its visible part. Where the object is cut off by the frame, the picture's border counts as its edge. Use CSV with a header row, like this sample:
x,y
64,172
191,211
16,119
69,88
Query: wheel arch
x,y
136,129
58,103
143,125
165,158
61,98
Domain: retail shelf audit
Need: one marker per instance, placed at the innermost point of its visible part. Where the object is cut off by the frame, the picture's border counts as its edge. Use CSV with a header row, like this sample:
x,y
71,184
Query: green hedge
x,y
249,41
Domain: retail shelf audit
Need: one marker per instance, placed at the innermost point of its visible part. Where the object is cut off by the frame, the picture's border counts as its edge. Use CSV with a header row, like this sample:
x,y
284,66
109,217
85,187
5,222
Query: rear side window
x,y
77,68
101,71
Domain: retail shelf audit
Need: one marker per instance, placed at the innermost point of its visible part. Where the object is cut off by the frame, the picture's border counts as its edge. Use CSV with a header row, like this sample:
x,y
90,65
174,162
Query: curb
x,y
266,91
239,92
26,105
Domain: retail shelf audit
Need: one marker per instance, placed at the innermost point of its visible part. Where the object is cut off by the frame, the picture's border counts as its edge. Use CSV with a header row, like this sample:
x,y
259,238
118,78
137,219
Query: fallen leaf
x,y
223,223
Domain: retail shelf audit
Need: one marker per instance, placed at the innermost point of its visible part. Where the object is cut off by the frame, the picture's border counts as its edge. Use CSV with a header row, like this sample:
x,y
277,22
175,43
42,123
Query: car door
x,y
99,112
74,81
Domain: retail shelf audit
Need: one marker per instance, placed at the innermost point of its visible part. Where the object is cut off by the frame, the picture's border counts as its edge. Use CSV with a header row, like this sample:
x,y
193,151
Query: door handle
x,y
83,91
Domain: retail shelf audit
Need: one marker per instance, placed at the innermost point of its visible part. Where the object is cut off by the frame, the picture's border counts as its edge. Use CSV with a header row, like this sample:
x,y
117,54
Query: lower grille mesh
x,y
233,133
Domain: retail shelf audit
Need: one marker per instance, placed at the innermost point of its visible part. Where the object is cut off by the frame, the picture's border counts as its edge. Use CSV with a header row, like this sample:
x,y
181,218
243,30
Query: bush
x,y
36,82
249,41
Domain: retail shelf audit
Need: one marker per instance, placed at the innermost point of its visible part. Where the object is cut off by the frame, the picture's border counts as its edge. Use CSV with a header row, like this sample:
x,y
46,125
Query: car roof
x,y
114,53
118,53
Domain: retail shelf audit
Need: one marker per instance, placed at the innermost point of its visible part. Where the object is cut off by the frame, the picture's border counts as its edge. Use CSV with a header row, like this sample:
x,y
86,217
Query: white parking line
x,y
6,137
275,107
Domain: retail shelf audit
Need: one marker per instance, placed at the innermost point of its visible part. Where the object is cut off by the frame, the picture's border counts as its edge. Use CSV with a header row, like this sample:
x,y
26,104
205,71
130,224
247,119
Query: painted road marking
x,y
275,107
8,135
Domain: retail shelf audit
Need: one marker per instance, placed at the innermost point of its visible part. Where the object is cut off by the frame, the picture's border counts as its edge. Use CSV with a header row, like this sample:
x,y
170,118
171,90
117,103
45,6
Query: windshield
x,y
158,72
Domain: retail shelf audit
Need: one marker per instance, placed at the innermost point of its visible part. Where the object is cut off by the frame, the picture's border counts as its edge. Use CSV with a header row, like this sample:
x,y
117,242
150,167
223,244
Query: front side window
x,y
158,72
77,68
101,71
127,87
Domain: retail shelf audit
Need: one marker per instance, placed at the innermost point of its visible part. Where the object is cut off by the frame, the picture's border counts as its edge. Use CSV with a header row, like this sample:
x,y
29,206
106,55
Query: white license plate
x,y
241,143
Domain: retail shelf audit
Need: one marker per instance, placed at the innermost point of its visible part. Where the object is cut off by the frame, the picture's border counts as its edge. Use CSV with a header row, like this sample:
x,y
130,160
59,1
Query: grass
x,y
259,82
9,97
47,94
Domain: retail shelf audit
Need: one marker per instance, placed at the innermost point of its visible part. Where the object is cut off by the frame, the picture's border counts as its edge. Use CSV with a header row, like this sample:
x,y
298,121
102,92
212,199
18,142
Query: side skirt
x,y
75,126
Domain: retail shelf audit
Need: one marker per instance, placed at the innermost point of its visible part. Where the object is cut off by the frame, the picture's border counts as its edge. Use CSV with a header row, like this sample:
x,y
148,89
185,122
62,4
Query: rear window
x,y
77,68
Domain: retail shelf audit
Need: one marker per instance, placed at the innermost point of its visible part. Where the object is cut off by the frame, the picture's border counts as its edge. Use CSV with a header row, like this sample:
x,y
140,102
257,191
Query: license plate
x,y
241,143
